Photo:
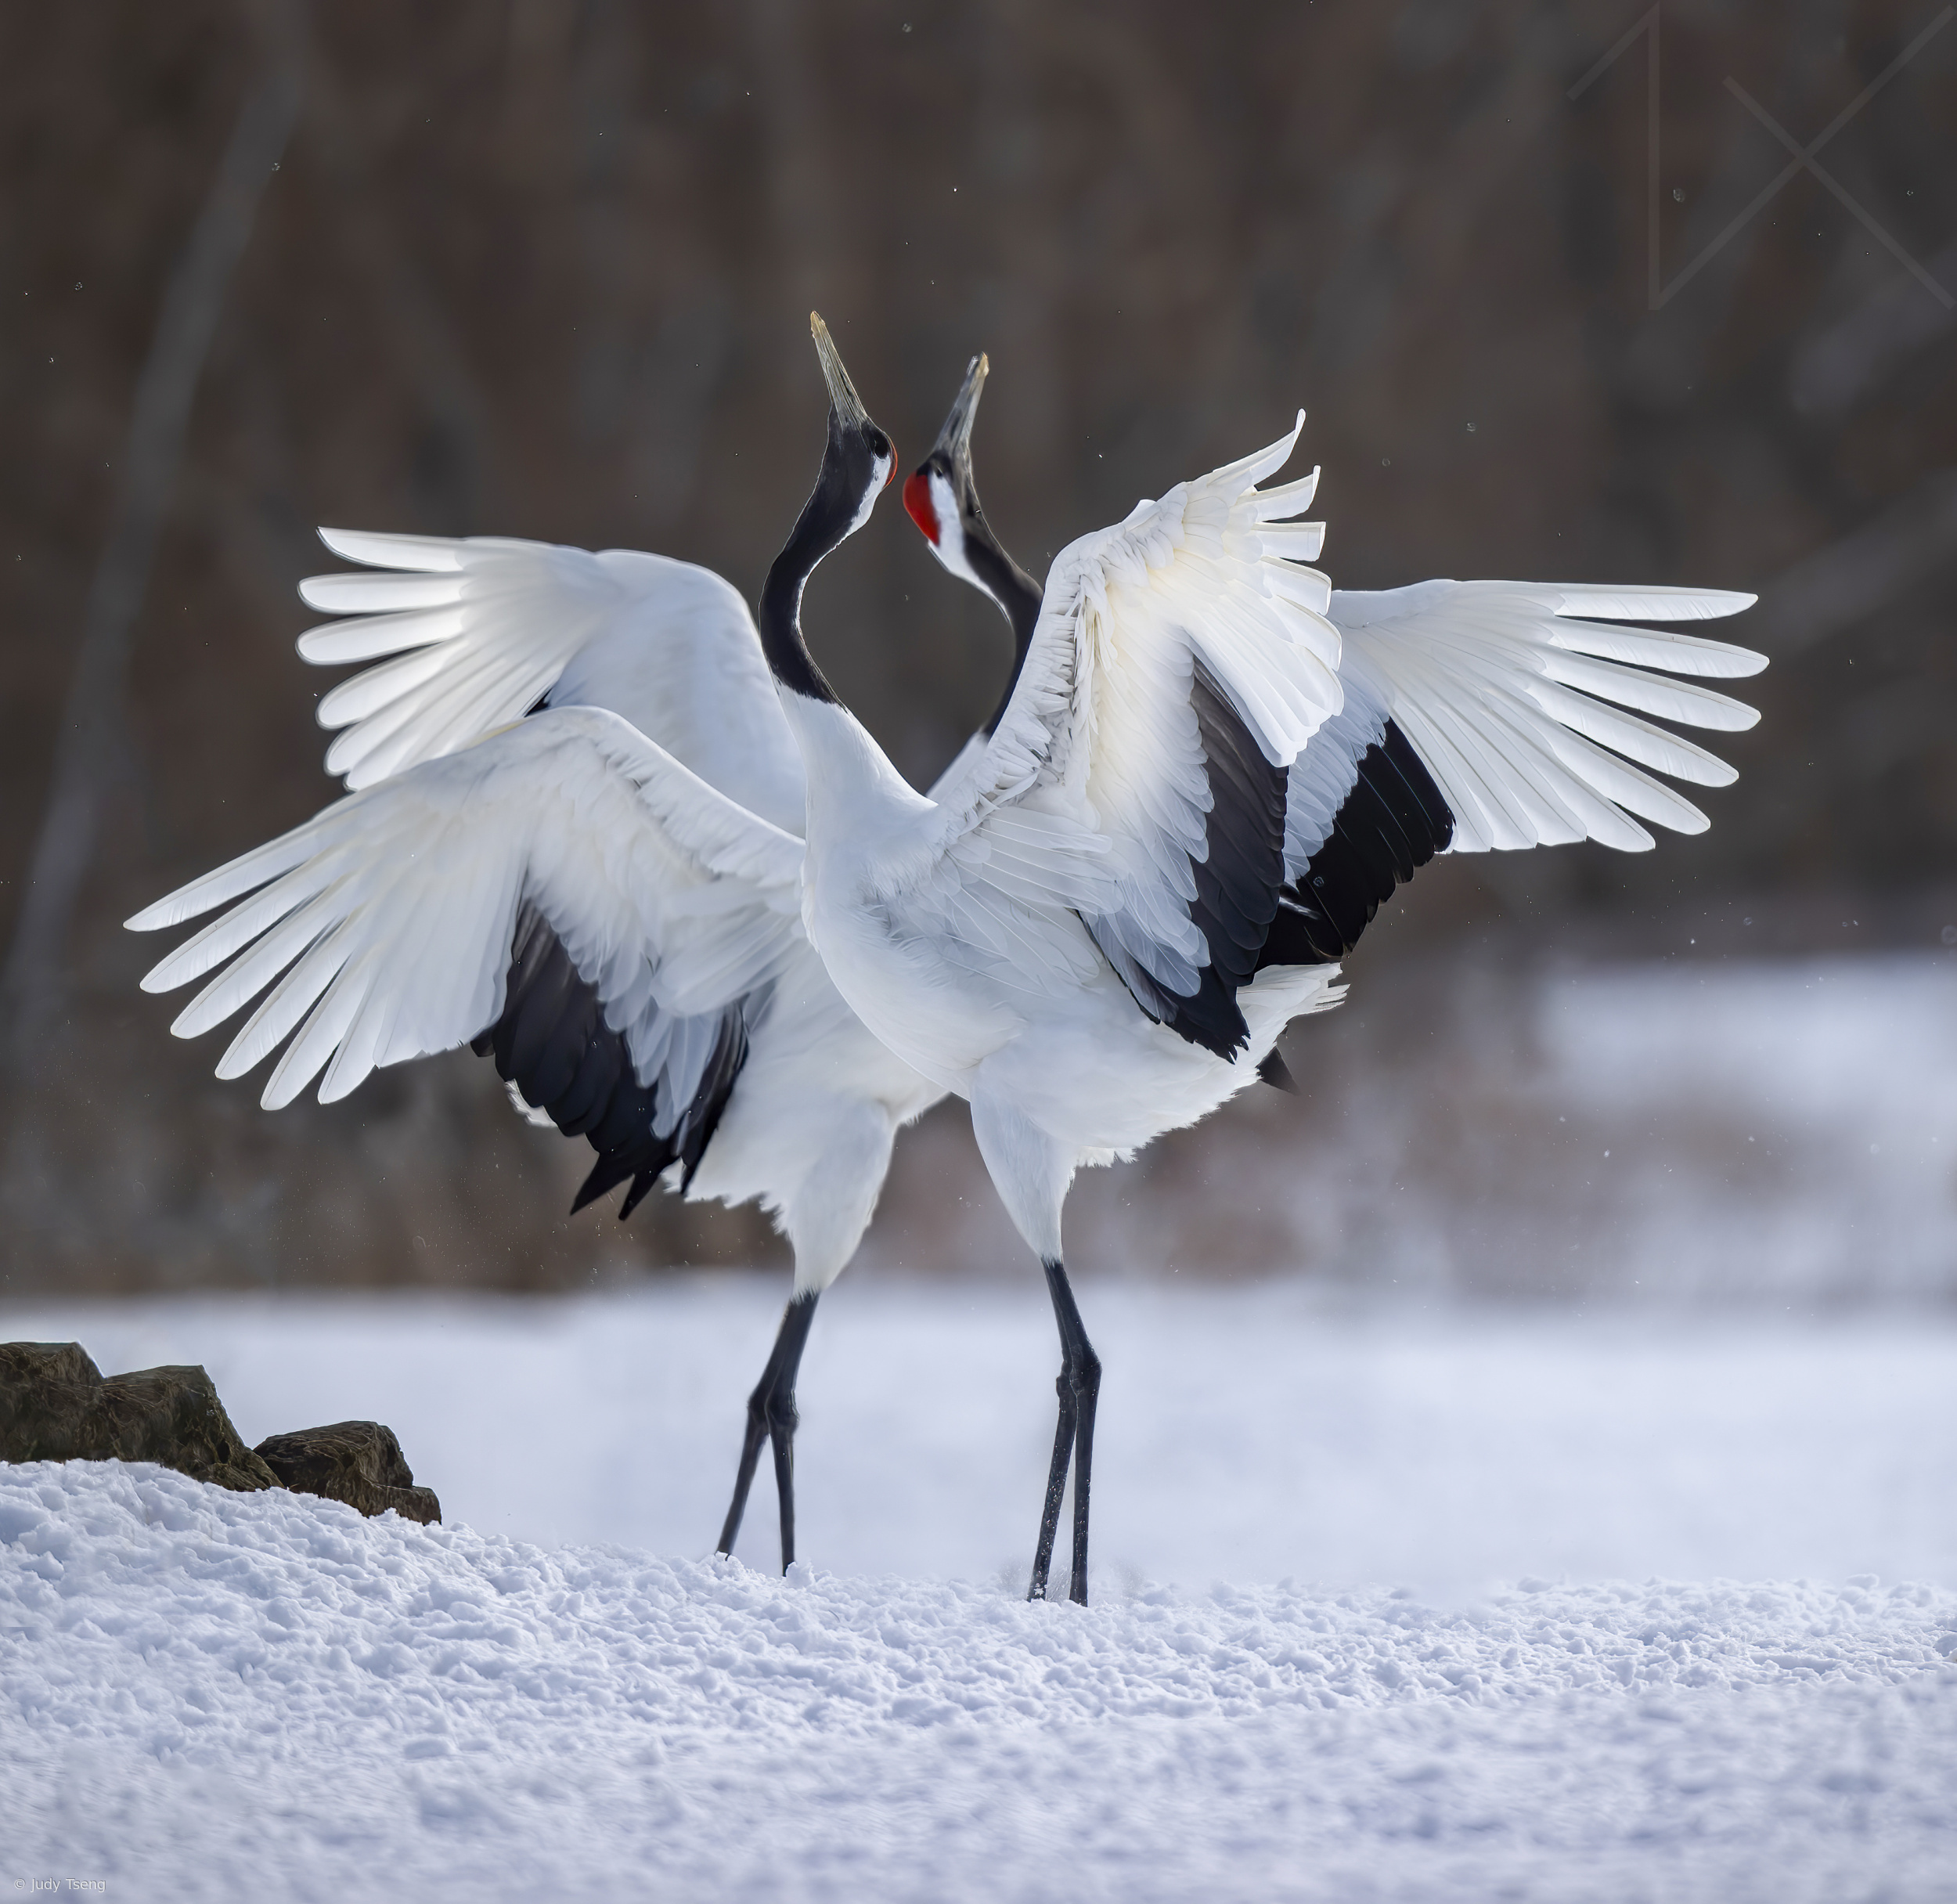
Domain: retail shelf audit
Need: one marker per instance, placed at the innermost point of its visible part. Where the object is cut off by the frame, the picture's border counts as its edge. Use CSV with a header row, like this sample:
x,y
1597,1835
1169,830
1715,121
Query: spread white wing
x,y
1265,757
482,630
567,851
1493,715
1506,690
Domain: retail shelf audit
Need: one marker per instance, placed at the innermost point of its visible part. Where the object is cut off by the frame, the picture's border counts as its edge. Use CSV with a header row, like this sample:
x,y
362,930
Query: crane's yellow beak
x,y
842,393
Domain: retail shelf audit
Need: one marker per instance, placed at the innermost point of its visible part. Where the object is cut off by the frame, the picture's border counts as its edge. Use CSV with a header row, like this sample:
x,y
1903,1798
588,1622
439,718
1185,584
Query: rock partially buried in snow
x,y
55,1405
358,1463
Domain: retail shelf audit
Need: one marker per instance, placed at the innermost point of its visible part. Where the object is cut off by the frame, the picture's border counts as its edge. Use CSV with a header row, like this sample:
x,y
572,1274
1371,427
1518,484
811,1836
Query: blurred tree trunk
x,y
92,747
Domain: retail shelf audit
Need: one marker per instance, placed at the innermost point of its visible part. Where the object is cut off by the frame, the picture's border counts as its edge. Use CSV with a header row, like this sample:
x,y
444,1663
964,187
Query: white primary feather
x,y
481,630
1506,690
391,915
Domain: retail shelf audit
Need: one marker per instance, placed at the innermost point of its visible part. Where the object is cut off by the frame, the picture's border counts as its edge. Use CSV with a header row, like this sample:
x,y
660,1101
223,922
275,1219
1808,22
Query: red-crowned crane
x,y
1211,770
773,1090
1097,933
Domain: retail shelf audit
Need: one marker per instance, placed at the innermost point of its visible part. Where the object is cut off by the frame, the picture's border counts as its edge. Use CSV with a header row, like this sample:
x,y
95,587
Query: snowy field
x,y
1457,1656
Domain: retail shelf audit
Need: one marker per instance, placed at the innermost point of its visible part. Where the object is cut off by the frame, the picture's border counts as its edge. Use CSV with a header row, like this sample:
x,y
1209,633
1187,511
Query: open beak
x,y
954,440
843,399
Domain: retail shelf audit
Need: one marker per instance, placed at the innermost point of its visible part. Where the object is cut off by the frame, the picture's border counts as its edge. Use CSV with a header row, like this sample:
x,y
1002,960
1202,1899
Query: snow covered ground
x,y
1246,1433
1454,1659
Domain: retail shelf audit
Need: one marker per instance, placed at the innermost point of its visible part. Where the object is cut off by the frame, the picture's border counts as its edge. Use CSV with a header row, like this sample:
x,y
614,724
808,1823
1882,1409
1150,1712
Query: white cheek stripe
x,y
882,468
950,548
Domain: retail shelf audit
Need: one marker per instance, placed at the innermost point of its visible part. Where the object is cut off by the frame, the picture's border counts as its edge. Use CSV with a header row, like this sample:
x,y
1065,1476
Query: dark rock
x,y
358,1463
28,1362
55,1405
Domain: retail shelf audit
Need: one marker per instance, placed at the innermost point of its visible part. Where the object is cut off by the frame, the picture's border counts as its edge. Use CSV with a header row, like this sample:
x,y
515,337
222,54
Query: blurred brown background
x,y
542,267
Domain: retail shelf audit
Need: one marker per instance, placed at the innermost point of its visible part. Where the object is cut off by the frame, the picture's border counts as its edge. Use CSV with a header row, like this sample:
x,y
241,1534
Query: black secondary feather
x,y
1391,822
1238,880
551,1042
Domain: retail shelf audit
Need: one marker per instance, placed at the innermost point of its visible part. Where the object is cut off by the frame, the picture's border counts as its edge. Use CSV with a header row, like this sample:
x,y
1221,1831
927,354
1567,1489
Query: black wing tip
x,y
1209,1016
1275,1073
1431,802
553,1043
1242,873
642,1184
1239,881
607,1174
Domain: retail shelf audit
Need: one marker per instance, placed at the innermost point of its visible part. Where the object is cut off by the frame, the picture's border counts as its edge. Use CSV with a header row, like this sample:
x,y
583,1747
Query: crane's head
x,y
940,496
859,460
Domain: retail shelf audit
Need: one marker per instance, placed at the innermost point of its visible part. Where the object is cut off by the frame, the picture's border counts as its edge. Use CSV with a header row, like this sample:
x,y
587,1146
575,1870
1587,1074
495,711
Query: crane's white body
x,y
1030,1023
808,1130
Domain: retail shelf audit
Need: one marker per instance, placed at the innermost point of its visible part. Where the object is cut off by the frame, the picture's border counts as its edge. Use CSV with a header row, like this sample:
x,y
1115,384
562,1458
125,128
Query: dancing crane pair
x,y
624,839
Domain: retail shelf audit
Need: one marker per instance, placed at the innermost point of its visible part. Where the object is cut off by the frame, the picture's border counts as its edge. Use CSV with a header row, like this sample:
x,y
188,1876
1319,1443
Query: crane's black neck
x,y
1010,587
833,508
780,623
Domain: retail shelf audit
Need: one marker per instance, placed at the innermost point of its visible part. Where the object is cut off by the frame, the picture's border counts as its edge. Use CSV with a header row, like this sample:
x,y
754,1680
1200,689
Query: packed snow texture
x,y
222,1696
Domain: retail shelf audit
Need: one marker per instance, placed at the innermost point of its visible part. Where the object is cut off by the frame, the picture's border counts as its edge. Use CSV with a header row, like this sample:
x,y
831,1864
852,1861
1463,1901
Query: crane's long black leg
x,y
783,1435
771,1417
1063,1446
1078,1386
1090,1390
